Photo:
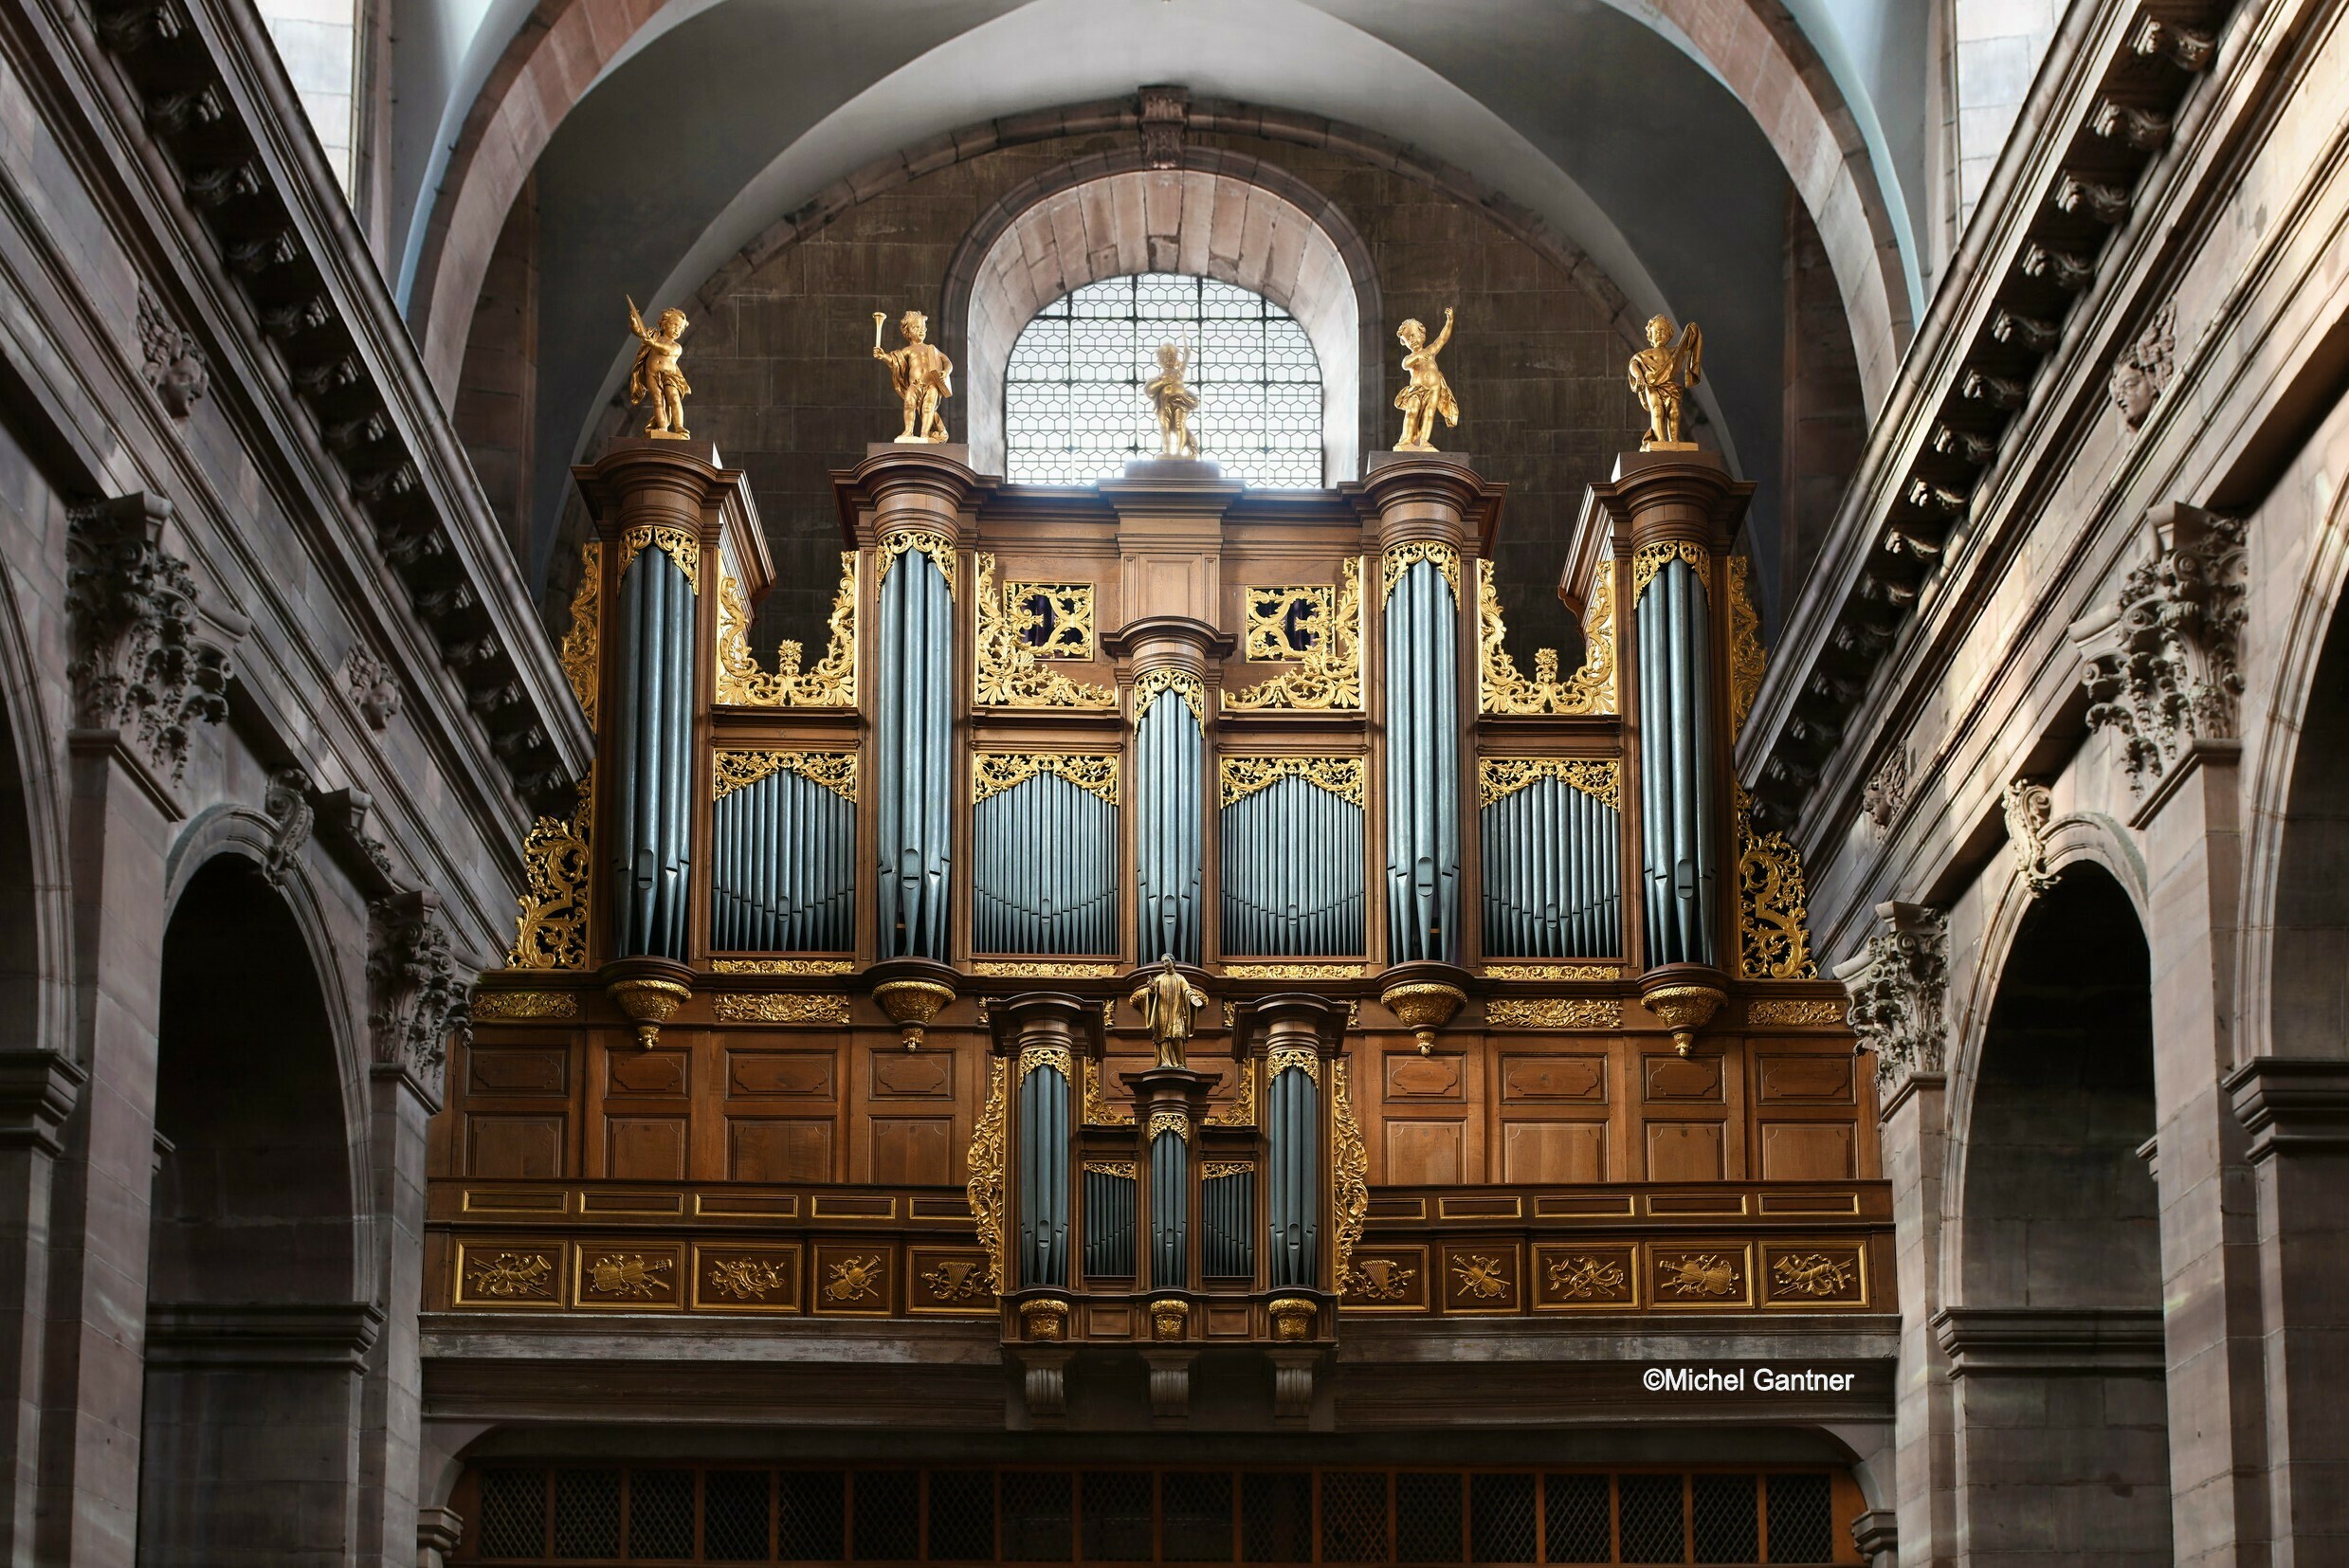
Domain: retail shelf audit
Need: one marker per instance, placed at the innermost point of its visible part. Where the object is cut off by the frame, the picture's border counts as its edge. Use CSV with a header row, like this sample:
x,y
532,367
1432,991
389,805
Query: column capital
x,y
1659,498
1898,984
38,1092
1412,497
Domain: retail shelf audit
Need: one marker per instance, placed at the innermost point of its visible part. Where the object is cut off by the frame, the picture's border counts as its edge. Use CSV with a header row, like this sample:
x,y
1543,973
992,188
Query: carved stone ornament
x,y
415,992
373,690
2143,372
173,366
1898,984
1885,793
287,804
1165,112
2160,664
140,661
2028,808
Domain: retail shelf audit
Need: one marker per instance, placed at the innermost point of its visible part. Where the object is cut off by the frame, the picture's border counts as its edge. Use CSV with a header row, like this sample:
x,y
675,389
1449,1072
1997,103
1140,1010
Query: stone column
x,y
2296,1111
1899,983
38,1092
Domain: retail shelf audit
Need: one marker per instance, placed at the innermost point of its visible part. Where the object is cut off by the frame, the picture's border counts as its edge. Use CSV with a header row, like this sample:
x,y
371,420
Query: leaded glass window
x,y
1073,405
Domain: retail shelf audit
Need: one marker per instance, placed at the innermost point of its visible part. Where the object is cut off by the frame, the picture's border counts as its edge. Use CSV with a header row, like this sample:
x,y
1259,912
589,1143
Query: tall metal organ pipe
x,y
649,862
1552,879
1169,1210
1423,766
1045,874
1043,1160
1169,827
1292,871
783,868
1293,1116
914,735
1677,786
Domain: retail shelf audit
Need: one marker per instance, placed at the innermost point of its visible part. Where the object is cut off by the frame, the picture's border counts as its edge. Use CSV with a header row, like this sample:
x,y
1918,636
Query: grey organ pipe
x,y
1228,1225
1423,766
1170,1211
914,737
1042,1176
1677,786
1553,879
1045,878
1292,871
650,859
783,853
1168,828
1293,1228
1108,1225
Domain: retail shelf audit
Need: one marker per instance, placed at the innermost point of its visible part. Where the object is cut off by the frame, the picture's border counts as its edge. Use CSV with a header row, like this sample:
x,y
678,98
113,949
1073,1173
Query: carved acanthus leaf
x,y
2028,808
1898,984
2160,664
416,990
140,660
287,805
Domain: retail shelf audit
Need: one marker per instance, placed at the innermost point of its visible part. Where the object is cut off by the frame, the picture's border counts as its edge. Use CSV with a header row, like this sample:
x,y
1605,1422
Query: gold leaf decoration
x,y
1096,773
678,544
1812,1274
1098,1112
784,1007
1243,777
1651,559
579,642
1402,558
1242,1111
782,966
1053,1056
1152,684
831,684
1007,673
1555,1012
1499,777
499,1006
1044,969
1773,932
1066,621
937,546
834,771
1122,1169
1787,1011
1584,1278
1746,659
1167,1121
748,1279
986,1162
1500,687
1553,971
1293,1059
1272,614
1290,971
1351,1178
552,932
509,1276
1329,677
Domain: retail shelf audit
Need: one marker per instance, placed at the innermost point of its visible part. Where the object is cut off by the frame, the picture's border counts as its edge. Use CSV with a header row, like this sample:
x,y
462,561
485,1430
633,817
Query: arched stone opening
x,y
2309,969
2056,1344
1229,218
255,1344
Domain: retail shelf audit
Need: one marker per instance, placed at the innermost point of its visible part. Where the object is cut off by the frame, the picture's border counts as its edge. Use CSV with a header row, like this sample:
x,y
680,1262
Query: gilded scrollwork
x,y
1167,1121
986,1160
1650,558
1555,1012
1746,659
678,544
1242,776
1060,626
1351,1178
1096,773
1276,615
1554,972
1008,672
1289,972
552,931
779,1008
1773,931
831,684
1329,677
1043,969
1242,1111
937,546
782,966
1046,1055
1502,688
1402,558
578,649
1499,777
498,1007
1300,1058
834,771
1152,684
1098,1112
1795,1010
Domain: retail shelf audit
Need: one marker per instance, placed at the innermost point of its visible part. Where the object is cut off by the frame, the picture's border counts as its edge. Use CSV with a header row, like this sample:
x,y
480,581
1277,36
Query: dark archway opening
x,y
2058,1347
254,1345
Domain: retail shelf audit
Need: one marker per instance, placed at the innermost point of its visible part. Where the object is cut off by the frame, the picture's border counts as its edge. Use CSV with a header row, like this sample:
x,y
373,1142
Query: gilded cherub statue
x,y
1661,375
1174,403
1427,394
1168,1003
656,376
921,372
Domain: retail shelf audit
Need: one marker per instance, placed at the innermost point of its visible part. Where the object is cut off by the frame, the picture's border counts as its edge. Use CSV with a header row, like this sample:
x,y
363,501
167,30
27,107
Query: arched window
x,y
1073,407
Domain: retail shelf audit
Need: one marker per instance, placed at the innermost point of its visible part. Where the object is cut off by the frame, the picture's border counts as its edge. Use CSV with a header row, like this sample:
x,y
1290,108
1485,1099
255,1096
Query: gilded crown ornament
x,y
1661,375
1425,394
656,377
920,375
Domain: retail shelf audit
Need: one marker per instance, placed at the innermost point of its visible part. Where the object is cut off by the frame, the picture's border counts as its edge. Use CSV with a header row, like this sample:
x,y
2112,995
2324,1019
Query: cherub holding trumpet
x,y
921,375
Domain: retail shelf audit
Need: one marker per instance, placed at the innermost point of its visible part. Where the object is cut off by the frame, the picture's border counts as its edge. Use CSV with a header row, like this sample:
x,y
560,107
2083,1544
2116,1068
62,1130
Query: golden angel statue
x,y
1661,375
1168,1003
921,372
656,376
1174,403
1426,394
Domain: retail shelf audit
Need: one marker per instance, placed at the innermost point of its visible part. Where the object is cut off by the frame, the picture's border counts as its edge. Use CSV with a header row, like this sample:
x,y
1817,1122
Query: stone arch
x,y
2053,1265
1755,48
36,915
1220,215
259,1320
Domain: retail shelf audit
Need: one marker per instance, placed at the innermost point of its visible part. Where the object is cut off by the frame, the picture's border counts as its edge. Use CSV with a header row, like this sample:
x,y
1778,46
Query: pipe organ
x,y
871,922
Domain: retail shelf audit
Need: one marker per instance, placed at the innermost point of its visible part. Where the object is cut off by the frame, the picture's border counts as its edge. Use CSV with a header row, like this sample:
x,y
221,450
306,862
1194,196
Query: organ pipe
x,y
1423,766
913,735
1108,1222
1045,873
1227,1227
1043,1160
1293,1229
649,856
1170,822
1292,871
1677,792
783,868
1552,874
1169,1210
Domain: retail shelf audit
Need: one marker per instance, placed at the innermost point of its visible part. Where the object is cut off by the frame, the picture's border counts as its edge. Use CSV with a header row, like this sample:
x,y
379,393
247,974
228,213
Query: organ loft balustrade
x,y
1164,921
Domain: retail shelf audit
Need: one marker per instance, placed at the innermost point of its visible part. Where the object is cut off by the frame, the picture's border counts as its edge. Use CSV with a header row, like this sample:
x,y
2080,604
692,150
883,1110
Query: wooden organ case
x,y
819,1003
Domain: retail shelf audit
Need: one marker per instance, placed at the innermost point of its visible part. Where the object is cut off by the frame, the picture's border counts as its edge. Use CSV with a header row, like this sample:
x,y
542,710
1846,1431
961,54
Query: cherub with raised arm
x,y
656,376
1174,403
1661,375
921,375
1426,394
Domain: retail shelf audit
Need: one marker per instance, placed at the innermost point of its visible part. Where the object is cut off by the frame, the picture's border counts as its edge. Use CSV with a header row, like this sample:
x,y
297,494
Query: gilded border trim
x,y
1499,777
1242,776
739,769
